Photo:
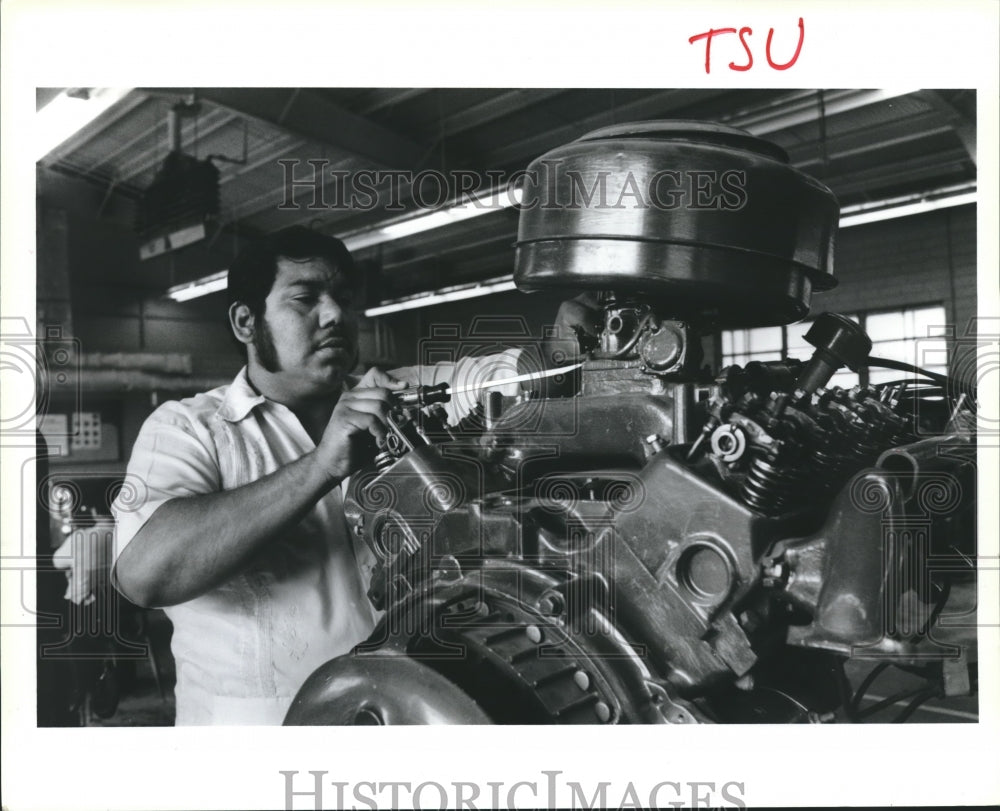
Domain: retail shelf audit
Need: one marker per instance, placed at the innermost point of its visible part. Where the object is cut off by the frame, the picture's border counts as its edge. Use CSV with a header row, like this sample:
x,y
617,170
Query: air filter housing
x,y
709,221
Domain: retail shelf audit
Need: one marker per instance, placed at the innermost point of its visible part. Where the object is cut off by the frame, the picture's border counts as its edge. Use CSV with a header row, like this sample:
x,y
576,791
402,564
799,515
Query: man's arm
x,y
192,544
577,319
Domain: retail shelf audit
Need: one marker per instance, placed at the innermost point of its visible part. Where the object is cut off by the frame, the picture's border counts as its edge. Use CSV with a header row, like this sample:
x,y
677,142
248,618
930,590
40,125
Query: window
x,y
915,335
743,345
799,348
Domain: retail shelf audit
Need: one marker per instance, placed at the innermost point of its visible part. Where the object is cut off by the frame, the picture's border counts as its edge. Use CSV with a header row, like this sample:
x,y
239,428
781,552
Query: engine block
x,y
652,542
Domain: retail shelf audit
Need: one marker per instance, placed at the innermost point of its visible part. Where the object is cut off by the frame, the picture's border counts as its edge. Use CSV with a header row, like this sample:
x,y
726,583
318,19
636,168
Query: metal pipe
x,y
933,453
174,129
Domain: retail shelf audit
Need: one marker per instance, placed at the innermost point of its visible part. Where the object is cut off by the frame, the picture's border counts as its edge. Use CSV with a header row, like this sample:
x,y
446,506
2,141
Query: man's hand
x,y
581,317
375,377
578,323
357,425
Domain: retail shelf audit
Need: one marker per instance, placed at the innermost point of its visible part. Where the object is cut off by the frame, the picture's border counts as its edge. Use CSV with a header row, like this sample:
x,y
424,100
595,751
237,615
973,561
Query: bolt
x,y
603,712
551,604
656,443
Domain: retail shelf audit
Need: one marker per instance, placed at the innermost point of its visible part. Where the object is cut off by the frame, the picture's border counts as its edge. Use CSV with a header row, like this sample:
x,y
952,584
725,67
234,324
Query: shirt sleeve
x,y
173,457
466,372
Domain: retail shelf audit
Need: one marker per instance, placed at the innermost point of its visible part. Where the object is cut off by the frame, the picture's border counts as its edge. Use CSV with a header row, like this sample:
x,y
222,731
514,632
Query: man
x,y
235,522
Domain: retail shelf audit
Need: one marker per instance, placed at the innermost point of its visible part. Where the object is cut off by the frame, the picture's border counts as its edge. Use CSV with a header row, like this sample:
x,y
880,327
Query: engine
x,y
639,538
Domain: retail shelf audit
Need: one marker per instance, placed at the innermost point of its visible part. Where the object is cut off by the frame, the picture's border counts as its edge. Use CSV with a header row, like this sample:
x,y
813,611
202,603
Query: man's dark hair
x,y
252,273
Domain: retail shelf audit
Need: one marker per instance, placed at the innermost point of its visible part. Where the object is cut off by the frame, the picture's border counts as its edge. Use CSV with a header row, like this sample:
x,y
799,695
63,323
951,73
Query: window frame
x,y
862,319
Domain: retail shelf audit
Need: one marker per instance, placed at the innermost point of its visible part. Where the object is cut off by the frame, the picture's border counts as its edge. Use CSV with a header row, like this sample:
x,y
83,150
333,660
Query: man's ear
x,y
242,322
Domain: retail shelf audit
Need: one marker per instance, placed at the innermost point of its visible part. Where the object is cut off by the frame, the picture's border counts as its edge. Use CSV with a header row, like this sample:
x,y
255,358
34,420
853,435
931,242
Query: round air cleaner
x,y
708,221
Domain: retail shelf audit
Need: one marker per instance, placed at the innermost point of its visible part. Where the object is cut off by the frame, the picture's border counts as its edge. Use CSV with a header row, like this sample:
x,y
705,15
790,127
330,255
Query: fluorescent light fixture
x,y
170,242
217,281
199,287
863,213
67,114
493,201
456,293
425,222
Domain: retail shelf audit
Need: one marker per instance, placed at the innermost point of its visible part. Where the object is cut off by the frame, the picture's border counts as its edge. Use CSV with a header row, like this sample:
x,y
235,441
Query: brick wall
x,y
924,259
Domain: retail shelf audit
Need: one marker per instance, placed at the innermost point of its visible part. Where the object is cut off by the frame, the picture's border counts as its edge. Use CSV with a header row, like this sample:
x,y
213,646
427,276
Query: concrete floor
x,y
142,704
959,709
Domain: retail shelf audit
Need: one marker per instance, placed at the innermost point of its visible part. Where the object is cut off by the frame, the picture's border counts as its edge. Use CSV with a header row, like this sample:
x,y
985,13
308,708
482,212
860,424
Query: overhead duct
x,y
181,200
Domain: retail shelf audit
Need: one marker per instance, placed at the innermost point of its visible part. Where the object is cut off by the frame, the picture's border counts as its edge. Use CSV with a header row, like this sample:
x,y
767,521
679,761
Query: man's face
x,y
307,339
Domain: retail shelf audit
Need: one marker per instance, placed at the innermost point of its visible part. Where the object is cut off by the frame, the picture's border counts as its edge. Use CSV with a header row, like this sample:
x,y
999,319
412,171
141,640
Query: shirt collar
x,y
240,399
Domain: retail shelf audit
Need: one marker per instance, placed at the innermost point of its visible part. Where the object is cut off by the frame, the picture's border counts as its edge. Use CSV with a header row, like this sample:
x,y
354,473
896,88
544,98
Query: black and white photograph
x,y
528,405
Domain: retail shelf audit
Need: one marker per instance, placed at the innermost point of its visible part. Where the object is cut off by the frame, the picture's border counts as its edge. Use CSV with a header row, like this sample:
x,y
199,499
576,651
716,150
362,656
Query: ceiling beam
x,y
656,103
964,127
860,142
806,110
380,98
494,108
949,166
310,115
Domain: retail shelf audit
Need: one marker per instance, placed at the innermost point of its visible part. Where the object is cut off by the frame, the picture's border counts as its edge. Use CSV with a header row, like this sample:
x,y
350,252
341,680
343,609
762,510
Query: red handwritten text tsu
x,y
743,34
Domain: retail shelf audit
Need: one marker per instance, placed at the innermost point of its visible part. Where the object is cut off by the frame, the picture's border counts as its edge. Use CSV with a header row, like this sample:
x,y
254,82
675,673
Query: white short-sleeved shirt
x,y
243,649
